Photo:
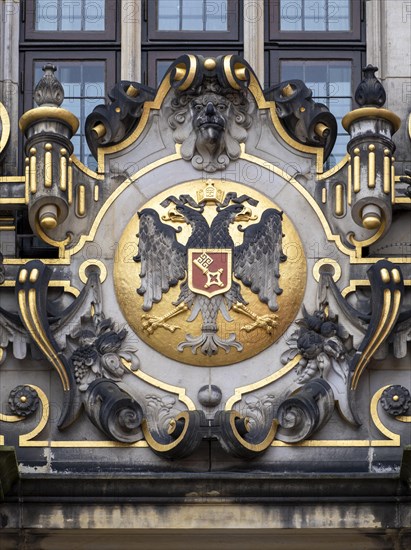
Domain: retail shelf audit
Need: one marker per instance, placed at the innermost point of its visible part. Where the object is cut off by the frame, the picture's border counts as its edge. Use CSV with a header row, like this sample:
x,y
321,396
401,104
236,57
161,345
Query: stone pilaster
x,y
9,75
389,48
131,40
254,36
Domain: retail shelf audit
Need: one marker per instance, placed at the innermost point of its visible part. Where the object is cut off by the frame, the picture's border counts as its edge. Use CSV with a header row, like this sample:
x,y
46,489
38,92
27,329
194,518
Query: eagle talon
x,y
151,323
266,322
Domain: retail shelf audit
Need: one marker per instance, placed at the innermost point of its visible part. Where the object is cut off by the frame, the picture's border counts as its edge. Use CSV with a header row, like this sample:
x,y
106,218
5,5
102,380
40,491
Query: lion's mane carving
x,y
210,122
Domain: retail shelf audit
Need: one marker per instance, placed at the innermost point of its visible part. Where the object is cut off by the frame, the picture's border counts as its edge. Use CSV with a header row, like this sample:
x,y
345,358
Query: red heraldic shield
x,y
209,270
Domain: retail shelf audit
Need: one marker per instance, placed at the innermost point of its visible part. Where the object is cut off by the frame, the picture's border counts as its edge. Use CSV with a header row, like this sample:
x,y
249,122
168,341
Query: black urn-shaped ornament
x,y
370,91
49,90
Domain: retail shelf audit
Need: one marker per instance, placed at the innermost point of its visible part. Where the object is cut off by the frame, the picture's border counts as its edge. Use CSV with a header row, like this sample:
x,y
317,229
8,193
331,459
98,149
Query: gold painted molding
x,y
256,91
393,439
41,113
355,254
371,112
335,169
327,261
5,127
239,392
27,440
177,390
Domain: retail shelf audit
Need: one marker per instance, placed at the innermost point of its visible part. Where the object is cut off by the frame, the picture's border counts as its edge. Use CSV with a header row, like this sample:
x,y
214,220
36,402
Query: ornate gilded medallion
x,y
210,273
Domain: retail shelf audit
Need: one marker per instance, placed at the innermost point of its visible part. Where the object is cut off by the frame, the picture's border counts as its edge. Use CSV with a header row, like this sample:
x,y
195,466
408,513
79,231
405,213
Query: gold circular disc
x,y
292,281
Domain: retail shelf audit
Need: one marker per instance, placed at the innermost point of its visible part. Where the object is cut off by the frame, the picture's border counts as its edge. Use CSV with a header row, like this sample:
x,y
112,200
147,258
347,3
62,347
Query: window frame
x,y
110,33
31,57
276,56
234,16
43,56
275,33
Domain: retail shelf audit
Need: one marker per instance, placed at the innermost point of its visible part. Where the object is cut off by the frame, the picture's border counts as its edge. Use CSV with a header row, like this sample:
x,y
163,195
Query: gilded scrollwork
x,y
218,270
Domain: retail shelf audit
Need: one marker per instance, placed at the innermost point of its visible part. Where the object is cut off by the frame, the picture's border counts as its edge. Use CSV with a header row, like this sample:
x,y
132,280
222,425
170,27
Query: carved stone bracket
x,y
109,124
239,438
233,431
32,279
183,435
305,120
83,356
305,412
387,289
113,410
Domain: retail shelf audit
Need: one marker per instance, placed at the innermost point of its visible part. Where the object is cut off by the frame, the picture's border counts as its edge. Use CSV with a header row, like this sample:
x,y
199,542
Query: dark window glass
x,y
70,15
192,15
315,20
161,69
84,89
194,20
315,15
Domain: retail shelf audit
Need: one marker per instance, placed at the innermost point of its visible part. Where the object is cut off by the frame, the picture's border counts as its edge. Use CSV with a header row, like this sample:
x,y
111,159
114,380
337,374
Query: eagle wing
x,y
163,258
257,259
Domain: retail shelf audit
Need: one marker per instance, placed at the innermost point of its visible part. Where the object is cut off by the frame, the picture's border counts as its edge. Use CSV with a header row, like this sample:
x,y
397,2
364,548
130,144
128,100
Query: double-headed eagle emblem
x,y
207,265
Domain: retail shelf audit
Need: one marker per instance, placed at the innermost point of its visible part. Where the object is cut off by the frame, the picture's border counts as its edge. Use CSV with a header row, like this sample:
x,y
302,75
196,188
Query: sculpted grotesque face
x,y
210,114
210,125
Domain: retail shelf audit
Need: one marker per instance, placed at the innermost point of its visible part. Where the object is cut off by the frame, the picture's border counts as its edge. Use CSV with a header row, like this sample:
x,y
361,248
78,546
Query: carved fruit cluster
x,y
102,353
320,343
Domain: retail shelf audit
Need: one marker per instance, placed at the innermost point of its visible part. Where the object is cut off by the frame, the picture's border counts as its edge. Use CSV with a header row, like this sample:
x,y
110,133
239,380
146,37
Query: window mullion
x,y
204,16
303,15
59,14
327,22
83,14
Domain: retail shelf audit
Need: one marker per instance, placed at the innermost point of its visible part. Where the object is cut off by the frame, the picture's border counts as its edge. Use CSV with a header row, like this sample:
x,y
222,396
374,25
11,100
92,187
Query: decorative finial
x,y
370,92
210,193
49,91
